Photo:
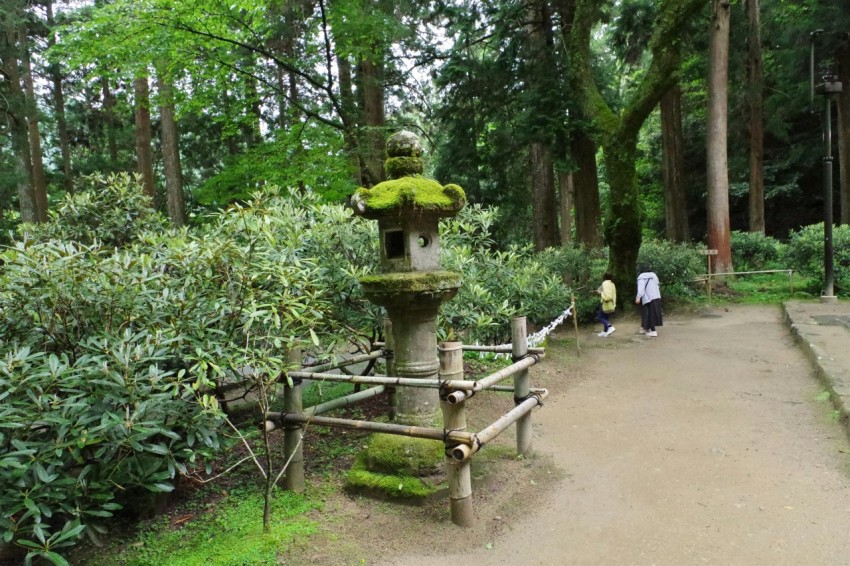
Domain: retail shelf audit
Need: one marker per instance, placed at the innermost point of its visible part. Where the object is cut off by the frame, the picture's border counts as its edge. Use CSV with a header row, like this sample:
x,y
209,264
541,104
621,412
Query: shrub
x,y
496,285
108,209
677,265
805,254
754,250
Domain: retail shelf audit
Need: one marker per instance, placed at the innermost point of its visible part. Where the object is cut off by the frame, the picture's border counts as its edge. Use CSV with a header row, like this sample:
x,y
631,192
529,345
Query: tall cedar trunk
x,y
545,219
672,156
370,81
348,118
39,181
144,153
843,104
717,174
755,76
171,153
544,207
617,132
586,184
565,185
59,109
109,114
16,117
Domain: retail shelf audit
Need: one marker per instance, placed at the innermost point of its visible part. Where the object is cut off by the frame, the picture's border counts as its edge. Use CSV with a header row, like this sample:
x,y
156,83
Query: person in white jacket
x,y
649,298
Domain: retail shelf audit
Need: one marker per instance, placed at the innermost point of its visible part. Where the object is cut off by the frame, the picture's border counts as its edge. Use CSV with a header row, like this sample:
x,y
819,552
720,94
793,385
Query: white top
x,y
648,288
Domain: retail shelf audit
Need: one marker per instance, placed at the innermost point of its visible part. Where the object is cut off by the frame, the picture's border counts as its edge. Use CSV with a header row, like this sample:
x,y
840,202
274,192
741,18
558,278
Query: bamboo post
x,y
708,280
454,419
389,356
293,449
575,322
519,340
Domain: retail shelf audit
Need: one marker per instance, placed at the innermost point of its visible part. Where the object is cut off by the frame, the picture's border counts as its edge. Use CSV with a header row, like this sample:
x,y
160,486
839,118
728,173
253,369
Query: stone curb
x,y
830,373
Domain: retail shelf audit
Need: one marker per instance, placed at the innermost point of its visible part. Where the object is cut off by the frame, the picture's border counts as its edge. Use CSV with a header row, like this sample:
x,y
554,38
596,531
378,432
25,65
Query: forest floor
x,y
713,443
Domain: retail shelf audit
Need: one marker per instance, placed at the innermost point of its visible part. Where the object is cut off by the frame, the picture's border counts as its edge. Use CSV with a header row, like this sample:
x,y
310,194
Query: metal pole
x,y
521,385
829,277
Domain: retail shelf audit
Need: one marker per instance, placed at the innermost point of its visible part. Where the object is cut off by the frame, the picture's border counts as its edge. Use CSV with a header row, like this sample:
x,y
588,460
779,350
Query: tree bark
x,y
109,114
843,104
545,225
39,180
59,109
171,153
755,77
16,116
716,143
370,81
617,132
672,155
586,184
567,190
144,153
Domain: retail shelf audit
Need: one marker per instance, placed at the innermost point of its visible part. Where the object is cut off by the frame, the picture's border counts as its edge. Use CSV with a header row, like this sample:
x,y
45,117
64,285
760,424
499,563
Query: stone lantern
x,y
411,286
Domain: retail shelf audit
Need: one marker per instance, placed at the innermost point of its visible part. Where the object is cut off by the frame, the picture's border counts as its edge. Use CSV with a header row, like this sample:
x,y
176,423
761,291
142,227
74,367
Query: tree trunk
x,y
755,76
144,153
617,132
109,112
59,108
843,103
586,184
349,118
565,184
16,116
545,219
39,181
716,143
171,153
370,81
672,156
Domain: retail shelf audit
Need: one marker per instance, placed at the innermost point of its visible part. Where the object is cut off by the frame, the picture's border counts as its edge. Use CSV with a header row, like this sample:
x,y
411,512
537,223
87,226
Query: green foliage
x,y
754,250
228,534
805,254
319,166
111,210
677,265
496,285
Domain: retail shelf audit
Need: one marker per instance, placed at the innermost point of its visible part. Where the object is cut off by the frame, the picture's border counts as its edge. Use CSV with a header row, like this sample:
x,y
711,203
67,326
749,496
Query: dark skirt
x,y
650,314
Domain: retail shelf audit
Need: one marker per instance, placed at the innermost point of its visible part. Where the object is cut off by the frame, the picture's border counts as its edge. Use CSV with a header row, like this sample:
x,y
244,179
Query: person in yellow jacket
x,y
608,303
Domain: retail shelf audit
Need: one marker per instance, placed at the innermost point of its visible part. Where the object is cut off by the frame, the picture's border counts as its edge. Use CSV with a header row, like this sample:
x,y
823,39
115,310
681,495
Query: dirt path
x,y
706,445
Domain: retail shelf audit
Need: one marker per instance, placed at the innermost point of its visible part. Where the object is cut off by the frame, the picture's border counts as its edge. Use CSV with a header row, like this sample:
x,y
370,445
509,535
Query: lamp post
x,y
829,86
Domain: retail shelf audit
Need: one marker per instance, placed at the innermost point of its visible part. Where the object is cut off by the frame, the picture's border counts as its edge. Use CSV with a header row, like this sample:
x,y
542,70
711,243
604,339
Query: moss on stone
x,y
425,281
394,486
415,193
393,454
404,144
397,167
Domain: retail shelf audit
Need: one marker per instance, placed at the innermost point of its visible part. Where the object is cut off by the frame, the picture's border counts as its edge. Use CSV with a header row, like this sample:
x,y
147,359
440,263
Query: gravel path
x,y
706,445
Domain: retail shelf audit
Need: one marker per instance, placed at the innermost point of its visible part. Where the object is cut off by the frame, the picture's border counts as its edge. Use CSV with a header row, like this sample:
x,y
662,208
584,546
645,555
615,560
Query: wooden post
x,y
708,279
389,345
454,419
575,323
519,340
293,449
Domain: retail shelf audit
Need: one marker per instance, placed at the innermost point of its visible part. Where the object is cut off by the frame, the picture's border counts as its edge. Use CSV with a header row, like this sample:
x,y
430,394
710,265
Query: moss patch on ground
x,y
393,466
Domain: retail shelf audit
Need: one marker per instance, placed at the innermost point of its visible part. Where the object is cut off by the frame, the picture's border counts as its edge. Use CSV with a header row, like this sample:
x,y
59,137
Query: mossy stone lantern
x,y
411,286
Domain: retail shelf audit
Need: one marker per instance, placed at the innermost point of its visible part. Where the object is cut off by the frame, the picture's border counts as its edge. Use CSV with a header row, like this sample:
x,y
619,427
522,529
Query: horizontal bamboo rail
x,y
368,379
351,399
344,362
464,451
501,349
273,419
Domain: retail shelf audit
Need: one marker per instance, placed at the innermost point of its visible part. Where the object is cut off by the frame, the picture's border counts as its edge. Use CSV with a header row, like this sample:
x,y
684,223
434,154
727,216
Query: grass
x,y
767,288
228,532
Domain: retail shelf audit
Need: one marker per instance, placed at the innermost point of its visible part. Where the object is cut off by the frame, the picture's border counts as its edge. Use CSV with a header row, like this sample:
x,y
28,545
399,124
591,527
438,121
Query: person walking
x,y
608,303
649,298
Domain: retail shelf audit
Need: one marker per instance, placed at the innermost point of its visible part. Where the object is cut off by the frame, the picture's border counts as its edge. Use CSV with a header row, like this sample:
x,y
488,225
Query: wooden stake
x,y
519,341
454,419
575,322
392,396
